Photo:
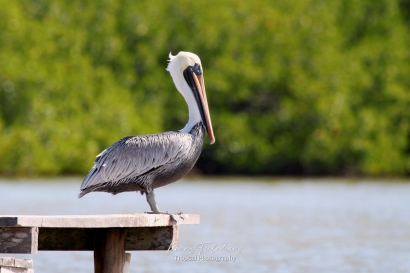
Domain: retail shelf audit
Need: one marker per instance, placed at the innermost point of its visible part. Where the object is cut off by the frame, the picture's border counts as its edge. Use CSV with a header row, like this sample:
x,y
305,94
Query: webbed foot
x,y
176,216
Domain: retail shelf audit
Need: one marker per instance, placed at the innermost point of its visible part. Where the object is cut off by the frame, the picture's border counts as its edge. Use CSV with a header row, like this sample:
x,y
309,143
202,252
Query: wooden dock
x,y
109,236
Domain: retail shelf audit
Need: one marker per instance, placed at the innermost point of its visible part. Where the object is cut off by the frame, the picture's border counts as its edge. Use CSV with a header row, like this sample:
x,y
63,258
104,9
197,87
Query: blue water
x,y
262,225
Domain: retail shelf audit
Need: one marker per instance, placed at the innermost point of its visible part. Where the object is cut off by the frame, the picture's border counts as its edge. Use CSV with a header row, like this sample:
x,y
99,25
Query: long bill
x,y
203,104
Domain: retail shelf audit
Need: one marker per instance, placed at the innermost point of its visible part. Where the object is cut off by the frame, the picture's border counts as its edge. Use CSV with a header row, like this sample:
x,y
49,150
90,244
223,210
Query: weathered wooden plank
x,y
96,221
7,269
10,261
7,261
12,265
66,239
82,239
109,254
23,263
18,240
155,238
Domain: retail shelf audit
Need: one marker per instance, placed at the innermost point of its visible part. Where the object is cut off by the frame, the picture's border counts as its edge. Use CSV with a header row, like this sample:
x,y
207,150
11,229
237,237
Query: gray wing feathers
x,y
133,156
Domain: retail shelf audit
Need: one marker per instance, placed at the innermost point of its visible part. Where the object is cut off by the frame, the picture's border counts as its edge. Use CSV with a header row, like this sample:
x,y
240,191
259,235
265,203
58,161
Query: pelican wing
x,y
132,156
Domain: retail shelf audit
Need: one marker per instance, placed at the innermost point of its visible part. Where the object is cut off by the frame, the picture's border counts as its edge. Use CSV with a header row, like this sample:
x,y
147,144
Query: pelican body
x,y
144,163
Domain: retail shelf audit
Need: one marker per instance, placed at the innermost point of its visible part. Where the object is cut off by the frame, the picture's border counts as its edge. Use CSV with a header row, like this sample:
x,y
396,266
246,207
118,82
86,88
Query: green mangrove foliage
x,y
294,87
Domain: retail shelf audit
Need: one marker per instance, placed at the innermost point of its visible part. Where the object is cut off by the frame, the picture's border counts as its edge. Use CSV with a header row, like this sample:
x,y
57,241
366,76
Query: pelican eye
x,y
197,69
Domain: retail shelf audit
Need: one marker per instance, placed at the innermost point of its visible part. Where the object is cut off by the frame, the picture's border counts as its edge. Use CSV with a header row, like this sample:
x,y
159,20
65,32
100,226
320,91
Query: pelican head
x,y
186,71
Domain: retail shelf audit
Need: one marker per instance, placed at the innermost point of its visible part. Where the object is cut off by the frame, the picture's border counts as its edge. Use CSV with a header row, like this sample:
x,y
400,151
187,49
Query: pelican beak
x,y
195,79
206,117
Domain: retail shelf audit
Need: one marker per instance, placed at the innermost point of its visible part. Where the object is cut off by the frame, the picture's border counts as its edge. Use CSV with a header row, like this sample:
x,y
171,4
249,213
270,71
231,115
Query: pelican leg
x,y
151,201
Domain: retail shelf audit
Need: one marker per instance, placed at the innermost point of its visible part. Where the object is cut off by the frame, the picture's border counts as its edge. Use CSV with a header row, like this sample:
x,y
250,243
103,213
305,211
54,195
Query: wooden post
x,y
109,253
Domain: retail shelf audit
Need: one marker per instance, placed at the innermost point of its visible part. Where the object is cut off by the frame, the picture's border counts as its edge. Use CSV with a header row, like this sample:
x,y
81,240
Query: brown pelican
x,y
143,163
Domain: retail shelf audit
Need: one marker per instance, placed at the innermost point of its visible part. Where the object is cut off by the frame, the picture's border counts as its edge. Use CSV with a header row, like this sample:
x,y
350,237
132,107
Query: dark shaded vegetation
x,y
302,87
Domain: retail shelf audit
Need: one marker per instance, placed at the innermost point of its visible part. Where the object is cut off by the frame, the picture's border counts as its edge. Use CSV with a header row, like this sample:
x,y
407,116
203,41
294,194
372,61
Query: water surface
x,y
285,225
